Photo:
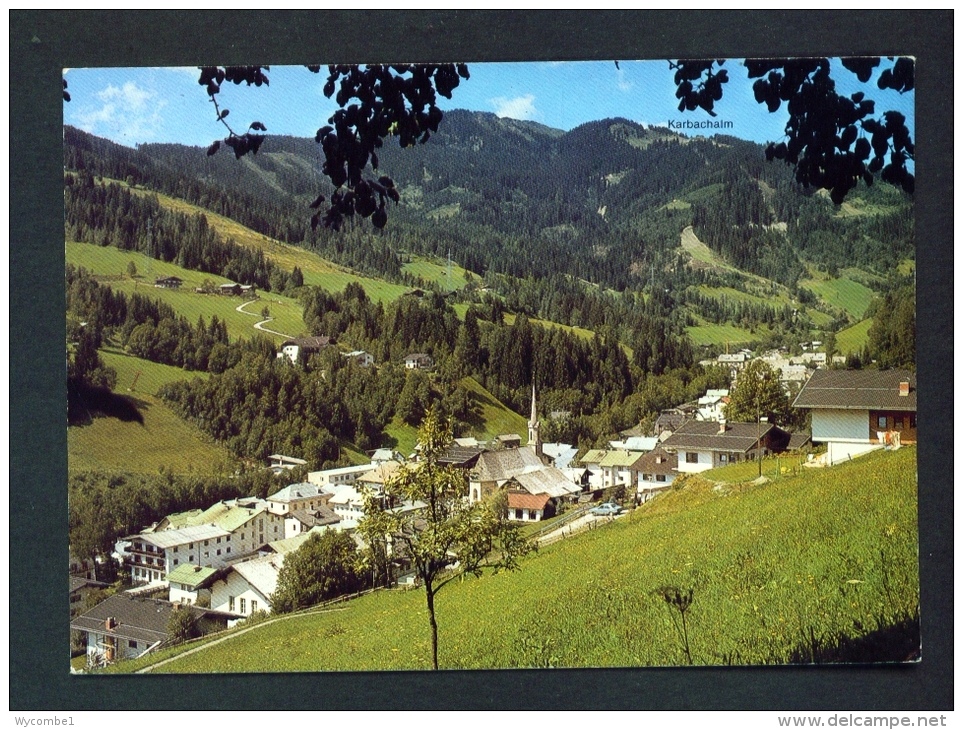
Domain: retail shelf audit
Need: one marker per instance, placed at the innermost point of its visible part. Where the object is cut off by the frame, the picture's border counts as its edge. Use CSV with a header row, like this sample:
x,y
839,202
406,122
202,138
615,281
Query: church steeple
x,y
533,438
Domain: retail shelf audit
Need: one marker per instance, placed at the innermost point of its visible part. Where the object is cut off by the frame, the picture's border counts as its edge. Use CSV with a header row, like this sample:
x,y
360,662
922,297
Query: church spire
x,y
533,437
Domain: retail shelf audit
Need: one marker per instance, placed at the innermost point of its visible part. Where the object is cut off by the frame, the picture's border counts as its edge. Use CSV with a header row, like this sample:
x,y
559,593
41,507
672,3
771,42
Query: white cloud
x,y
521,107
129,114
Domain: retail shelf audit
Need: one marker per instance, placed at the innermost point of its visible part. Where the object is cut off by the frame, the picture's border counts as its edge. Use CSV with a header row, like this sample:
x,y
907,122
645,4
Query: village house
x,y
168,282
418,361
617,467
545,480
855,411
655,473
80,588
126,627
246,587
231,289
280,463
189,583
702,445
494,468
560,454
294,348
638,444
671,419
525,507
304,520
339,476
303,495
154,554
361,357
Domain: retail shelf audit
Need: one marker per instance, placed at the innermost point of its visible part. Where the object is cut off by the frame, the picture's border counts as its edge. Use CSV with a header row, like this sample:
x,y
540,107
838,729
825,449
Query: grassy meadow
x,y
853,338
846,294
820,566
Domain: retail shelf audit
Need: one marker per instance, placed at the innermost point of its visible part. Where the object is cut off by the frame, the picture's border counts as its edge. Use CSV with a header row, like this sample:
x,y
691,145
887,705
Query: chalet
x,y
364,359
545,480
246,587
655,473
494,468
854,411
294,348
702,445
418,361
617,467
231,289
525,507
126,627
380,456
168,282
189,582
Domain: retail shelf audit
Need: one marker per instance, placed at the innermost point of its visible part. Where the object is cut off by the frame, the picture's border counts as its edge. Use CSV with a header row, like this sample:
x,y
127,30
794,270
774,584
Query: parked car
x,y
609,508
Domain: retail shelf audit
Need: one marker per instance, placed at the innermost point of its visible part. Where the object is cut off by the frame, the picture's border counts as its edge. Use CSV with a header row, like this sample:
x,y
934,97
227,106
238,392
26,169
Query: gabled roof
x,y
546,480
858,390
290,544
657,461
309,343
497,466
140,619
191,575
461,456
182,536
261,573
316,517
301,490
523,500
594,456
229,516
615,459
76,583
706,436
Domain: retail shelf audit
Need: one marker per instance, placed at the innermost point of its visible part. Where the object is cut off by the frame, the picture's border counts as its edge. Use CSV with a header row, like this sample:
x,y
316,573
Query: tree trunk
x,y
434,625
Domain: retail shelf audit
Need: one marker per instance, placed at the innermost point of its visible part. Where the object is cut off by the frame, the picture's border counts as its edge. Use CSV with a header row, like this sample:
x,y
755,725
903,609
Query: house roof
x,y
619,458
382,473
657,461
561,454
261,573
290,544
229,516
463,456
798,440
140,619
77,582
316,517
671,419
191,575
301,490
546,480
498,466
636,443
858,390
705,435
594,456
288,459
183,535
523,500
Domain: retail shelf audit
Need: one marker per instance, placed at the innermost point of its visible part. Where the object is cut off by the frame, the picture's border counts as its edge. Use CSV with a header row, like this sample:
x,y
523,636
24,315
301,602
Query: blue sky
x,y
137,105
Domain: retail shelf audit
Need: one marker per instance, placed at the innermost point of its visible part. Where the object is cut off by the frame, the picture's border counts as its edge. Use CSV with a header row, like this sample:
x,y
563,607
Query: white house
x,y
418,361
339,476
303,495
153,555
247,586
189,582
293,348
617,467
655,473
855,411
280,462
364,359
301,521
703,445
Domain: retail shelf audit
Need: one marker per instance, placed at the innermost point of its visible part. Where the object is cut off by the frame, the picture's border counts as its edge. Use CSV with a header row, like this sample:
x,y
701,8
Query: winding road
x,y
260,325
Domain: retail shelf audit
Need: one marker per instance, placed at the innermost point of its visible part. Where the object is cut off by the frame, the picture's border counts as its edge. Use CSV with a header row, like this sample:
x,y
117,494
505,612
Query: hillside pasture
x,y
111,262
436,272
818,567
852,339
720,334
846,294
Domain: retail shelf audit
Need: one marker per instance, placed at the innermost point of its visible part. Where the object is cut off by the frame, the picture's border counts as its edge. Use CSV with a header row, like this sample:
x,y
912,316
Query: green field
x,y
317,271
848,295
816,567
436,272
495,418
853,338
150,376
720,334
111,262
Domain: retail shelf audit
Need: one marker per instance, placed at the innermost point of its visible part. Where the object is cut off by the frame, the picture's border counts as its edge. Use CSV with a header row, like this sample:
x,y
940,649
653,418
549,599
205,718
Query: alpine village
x,y
616,396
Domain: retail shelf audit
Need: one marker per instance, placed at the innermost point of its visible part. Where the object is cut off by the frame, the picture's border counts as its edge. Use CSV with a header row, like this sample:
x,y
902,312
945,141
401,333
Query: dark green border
x,y
41,43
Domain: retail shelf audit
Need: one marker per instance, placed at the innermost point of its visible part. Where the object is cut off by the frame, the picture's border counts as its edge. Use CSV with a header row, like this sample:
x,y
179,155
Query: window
x,y
218,541
190,546
229,550
230,603
206,543
691,457
660,477
881,422
253,605
898,423
518,514
723,457
207,553
243,606
219,551
132,644
175,549
176,561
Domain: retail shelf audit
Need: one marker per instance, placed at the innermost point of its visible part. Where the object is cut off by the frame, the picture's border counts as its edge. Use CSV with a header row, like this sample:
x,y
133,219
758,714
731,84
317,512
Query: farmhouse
x,y
235,290
418,361
304,520
168,282
656,471
854,411
494,468
525,507
190,582
246,587
125,626
364,359
702,445
617,467
294,348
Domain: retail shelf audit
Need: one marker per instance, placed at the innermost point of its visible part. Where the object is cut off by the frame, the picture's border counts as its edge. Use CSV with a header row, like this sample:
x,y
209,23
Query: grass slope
x,y
317,271
819,566
852,339
111,262
163,439
848,295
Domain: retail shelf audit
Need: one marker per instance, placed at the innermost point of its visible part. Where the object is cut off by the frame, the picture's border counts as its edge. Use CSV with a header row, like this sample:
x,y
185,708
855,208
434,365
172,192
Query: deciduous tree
x,y
325,566
758,393
425,516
